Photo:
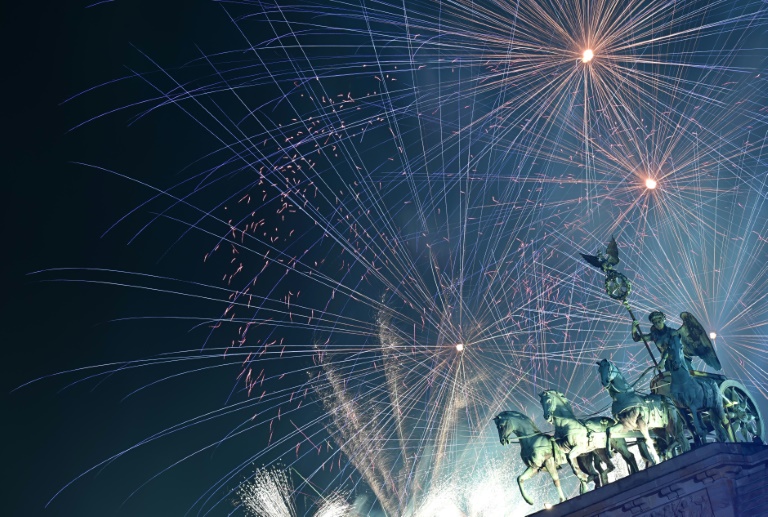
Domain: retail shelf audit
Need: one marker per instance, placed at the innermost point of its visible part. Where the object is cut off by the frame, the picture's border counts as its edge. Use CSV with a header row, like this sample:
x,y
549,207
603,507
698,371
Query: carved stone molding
x,y
692,505
719,479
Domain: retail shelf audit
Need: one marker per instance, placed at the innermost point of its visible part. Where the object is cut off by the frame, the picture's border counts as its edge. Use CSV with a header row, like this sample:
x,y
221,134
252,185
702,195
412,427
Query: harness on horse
x,y
629,401
558,450
595,440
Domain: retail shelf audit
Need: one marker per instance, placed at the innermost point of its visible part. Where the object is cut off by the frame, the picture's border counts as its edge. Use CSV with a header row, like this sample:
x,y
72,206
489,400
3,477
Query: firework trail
x,y
397,198
335,505
268,494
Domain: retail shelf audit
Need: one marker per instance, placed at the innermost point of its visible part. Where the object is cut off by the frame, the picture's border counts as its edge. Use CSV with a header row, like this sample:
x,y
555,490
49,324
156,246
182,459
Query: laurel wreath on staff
x,y
617,285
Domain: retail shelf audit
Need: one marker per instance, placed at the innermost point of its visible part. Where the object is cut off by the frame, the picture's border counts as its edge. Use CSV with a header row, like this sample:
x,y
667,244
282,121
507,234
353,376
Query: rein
x,y
518,438
631,386
581,418
642,375
537,433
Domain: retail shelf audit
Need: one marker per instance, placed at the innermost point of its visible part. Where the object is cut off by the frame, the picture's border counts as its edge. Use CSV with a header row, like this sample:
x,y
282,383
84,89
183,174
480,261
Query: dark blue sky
x,y
53,216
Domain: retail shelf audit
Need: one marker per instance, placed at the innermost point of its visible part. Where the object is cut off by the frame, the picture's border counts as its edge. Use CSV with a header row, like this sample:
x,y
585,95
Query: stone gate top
x,y
718,479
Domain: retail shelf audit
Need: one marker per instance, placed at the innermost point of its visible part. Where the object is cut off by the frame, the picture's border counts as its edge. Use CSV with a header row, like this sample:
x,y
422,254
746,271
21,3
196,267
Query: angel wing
x,y
604,261
612,252
696,342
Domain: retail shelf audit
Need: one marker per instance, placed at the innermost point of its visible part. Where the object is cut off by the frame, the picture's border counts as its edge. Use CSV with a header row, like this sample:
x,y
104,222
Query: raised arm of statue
x,y
637,334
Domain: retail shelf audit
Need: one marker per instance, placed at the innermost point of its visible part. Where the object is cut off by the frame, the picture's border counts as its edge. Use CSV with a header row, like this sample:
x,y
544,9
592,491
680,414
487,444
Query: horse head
x,y
509,423
608,372
676,359
553,402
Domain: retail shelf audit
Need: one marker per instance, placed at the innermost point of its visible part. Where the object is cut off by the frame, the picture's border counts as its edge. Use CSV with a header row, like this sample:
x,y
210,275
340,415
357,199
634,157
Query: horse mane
x,y
521,416
676,349
566,404
619,381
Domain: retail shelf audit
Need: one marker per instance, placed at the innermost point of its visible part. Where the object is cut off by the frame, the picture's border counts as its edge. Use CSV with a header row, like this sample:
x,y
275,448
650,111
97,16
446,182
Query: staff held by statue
x,y
617,285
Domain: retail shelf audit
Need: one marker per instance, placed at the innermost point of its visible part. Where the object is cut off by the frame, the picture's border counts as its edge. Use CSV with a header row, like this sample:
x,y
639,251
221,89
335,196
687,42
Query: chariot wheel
x,y
742,412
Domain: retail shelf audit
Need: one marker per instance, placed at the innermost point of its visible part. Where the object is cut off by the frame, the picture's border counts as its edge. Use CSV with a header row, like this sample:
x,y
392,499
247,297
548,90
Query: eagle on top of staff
x,y
604,261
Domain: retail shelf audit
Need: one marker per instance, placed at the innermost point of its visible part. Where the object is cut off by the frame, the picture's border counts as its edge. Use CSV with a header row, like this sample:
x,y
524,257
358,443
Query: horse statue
x,y
578,437
539,451
641,413
695,393
618,444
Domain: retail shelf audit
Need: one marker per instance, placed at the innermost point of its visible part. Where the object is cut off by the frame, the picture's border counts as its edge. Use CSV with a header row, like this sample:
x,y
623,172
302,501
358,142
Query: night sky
x,y
54,215
75,170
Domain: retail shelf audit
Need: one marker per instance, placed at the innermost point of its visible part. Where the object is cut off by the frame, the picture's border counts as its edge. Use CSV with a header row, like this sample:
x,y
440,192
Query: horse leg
x,y
528,474
643,426
602,455
598,457
616,428
583,478
644,453
676,427
723,426
551,467
698,426
690,424
663,448
586,464
620,445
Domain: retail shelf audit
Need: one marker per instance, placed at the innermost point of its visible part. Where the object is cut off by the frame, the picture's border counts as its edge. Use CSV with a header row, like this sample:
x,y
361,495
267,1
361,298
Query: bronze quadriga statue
x,y
540,451
680,395
644,413
709,402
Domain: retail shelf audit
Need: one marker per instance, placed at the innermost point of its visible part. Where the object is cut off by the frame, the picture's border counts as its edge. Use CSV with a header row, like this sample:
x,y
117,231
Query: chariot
x,y
741,411
693,392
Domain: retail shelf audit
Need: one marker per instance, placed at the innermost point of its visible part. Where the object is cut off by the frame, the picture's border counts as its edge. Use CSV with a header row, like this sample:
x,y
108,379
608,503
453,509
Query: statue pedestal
x,y
718,480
